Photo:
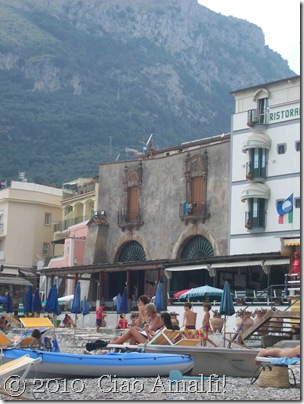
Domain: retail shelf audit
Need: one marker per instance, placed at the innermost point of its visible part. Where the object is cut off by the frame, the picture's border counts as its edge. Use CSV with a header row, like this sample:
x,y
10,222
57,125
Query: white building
x,y
265,166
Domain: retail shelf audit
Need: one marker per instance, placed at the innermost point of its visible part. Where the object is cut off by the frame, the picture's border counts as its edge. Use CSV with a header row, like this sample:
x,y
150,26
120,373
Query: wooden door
x,y
197,194
133,194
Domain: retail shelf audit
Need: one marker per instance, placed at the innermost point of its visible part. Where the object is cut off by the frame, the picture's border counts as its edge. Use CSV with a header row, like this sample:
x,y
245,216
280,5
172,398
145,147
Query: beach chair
x,y
166,337
22,364
25,363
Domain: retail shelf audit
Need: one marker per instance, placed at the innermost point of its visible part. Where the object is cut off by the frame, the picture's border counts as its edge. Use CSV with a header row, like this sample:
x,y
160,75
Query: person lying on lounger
x,y
279,353
133,335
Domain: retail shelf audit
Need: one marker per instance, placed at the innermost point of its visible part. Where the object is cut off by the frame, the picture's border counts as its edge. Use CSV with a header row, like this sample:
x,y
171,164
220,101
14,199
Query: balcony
x,y
129,218
257,222
194,211
75,190
65,224
256,117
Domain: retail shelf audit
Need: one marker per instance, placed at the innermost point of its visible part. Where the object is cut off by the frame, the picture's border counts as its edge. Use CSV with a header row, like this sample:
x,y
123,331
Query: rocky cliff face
x,y
125,66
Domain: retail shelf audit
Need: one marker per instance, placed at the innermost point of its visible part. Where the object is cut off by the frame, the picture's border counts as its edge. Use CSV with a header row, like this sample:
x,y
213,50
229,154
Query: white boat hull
x,y
219,361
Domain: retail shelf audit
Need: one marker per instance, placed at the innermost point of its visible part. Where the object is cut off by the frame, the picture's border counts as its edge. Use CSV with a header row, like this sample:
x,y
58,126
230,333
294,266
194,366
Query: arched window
x,y
132,251
197,247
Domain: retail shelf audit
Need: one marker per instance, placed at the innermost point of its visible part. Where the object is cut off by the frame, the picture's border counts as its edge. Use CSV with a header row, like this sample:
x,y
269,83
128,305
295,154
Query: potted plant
x,y
257,315
244,320
216,321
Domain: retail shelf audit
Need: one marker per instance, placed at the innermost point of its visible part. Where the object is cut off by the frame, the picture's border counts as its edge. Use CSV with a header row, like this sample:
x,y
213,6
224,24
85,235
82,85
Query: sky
x,y
280,22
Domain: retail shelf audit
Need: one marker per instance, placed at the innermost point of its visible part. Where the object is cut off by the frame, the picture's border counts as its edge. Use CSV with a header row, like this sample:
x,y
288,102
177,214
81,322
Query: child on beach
x,y
189,318
122,323
206,326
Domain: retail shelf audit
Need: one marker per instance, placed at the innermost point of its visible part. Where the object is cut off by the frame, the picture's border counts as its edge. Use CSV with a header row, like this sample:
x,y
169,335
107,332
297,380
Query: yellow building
x,y
27,214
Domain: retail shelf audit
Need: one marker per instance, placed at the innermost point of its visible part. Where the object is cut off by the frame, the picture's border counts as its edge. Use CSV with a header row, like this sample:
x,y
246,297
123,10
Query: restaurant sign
x,y
284,113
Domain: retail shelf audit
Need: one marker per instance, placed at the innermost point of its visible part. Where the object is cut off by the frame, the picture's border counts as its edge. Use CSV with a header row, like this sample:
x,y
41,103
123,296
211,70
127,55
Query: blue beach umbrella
x,y
124,302
51,305
227,306
159,301
28,300
76,305
37,306
9,304
85,309
3,300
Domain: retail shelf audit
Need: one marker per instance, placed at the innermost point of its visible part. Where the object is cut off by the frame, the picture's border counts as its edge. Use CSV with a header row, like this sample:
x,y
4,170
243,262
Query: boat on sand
x,y
128,364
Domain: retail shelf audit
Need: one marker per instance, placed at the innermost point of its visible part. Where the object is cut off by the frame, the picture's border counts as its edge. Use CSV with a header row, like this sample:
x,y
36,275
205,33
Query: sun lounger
x,y
24,363
15,366
278,361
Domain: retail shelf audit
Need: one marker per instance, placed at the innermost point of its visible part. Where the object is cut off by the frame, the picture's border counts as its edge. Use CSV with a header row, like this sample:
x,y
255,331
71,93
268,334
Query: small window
x,y
47,219
297,202
281,148
298,145
45,249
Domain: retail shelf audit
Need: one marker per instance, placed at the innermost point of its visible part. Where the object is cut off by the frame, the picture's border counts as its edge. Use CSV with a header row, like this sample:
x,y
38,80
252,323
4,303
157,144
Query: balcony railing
x,y
194,211
129,218
78,190
256,117
65,224
254,222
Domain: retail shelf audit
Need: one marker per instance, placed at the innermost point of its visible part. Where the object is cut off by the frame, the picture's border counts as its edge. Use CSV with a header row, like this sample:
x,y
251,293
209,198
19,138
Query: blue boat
x,y
129,364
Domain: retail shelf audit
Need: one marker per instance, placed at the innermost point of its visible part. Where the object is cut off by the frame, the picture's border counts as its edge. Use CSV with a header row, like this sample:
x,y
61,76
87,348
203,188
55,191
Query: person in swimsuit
x,y
280,353
189,318
206,326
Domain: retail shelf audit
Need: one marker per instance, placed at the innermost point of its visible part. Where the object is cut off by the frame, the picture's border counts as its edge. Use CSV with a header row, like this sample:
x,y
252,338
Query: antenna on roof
x,y
148,144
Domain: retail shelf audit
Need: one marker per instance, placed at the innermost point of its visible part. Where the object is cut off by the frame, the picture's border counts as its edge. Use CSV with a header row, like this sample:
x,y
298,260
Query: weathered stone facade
x,y
162,178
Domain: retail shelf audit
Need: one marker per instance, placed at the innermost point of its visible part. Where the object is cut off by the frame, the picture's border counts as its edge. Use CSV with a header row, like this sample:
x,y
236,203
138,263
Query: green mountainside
x,y
82,80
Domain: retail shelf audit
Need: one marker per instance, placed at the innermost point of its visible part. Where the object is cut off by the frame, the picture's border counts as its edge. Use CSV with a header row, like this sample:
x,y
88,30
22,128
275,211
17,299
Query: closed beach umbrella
x,y
28,300
9,304
51,305
76,305
124,302
159,299
118,303
20,308
85,309
202,292
227,306
37,306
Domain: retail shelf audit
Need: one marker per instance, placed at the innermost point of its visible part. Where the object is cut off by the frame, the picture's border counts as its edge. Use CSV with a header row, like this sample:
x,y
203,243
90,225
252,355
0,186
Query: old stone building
x,y
164,205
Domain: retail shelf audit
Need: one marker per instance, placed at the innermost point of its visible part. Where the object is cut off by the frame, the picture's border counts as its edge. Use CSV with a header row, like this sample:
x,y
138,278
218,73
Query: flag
x,y
286,207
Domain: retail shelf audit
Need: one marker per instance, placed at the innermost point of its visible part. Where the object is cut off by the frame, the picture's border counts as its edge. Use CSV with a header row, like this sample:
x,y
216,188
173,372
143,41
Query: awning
x,y
36,322
236,264
284,261
14,280
257,141
187,268
255,190
291,242
9,271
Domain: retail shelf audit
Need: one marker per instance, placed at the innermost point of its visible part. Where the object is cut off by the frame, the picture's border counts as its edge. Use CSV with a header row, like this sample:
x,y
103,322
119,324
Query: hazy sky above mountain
x,y
280,22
